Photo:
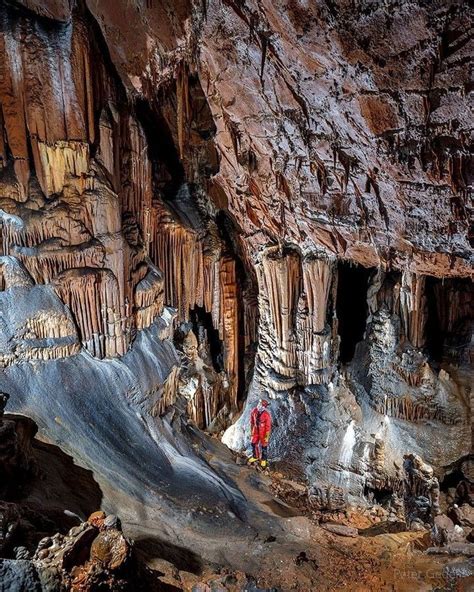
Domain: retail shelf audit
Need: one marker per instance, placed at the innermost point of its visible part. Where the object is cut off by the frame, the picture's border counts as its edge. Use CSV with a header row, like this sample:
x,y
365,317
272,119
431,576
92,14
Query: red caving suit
x,y
261,426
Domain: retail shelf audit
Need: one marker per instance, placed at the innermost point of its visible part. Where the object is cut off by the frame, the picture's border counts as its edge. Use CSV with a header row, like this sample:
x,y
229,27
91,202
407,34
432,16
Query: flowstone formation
x,y
92,554
205,203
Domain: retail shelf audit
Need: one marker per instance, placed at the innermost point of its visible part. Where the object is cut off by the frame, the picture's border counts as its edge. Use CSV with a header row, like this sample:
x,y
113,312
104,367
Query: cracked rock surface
x,y
207,202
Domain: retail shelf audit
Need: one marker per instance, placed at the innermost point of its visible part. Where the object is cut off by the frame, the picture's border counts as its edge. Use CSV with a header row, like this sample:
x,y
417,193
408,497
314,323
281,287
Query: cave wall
x,y
220,163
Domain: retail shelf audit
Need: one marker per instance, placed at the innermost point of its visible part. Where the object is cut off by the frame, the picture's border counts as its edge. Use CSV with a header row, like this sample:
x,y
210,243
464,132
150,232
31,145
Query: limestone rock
x,y
463,515
17,575
324,496
110,549
341,529
202,203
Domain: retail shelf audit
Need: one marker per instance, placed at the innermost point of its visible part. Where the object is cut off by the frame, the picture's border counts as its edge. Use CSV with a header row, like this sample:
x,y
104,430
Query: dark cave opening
x,y
246,285
351,307
451,480
450,315
168,171
378,496
171,169
434,334
204,330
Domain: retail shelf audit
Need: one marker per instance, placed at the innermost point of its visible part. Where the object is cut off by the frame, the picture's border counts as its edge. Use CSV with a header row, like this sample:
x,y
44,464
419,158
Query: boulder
x,y
466,515
325,496
77,548
444,522
18,575
466,549
341,529
97,519
113,521
110,548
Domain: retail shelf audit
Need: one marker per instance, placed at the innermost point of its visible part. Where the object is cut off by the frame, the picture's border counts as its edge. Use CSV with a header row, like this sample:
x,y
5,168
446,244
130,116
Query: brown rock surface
x,y
203,203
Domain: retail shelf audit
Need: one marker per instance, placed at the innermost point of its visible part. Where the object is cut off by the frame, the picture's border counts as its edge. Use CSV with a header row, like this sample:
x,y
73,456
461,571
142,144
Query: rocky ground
x,y
207,202
52,540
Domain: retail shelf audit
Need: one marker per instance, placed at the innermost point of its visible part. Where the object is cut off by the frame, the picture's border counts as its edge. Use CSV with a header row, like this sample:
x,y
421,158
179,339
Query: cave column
x,y
279,289
413,307
314,339
229,326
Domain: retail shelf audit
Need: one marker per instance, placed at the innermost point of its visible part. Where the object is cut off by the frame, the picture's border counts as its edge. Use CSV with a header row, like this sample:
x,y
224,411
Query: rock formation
x,y
203,203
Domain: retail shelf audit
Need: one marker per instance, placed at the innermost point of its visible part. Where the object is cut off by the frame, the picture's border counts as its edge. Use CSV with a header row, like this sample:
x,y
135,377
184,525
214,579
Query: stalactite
x,y
183,110
317,277
149,298
280,278
45,266
137,194
416,411
197,274
108,145
314,339
44,354
47,325
295,337
58,114
250,312
13,106
413,307
205,403
54,163
175,252
92,297
229,326
169,393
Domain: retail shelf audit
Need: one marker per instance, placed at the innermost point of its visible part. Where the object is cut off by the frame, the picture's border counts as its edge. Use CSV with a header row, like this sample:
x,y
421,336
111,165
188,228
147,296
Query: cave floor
x,y
194,512
305,556
285,549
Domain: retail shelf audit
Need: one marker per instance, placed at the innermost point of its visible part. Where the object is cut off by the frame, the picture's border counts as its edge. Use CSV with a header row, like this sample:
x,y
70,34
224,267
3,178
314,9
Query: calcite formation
x,y
296,342
203,203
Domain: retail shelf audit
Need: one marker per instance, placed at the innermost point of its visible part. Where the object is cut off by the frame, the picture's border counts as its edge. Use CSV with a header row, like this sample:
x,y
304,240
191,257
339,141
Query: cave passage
x,y
450,314
351,307
451,480
246,282
168,171
376,495
202,327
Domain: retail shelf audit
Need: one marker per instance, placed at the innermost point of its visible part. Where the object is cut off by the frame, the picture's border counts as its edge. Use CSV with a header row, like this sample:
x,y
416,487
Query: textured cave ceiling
x,y
339,125
203,202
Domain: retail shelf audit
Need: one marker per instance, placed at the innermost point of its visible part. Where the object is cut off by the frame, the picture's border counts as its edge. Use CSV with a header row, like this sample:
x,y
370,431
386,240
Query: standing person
x,y
260,428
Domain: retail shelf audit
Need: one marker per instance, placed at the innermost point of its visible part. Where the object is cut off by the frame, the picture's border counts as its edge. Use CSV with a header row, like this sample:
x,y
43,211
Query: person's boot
x,y
264,464
252,460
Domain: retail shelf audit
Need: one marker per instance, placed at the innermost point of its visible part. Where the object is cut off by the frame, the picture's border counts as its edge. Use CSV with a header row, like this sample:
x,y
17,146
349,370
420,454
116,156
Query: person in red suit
x,y
260,429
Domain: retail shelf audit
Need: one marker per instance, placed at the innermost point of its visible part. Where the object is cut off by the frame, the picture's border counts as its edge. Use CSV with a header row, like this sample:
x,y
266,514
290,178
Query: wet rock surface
x,y
205,203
